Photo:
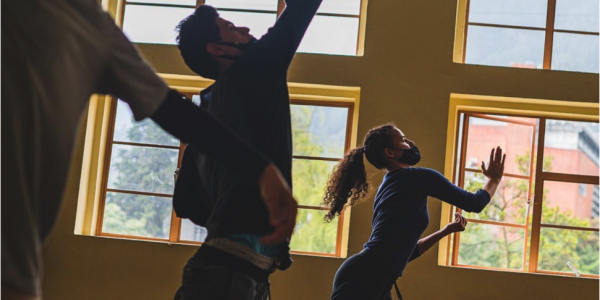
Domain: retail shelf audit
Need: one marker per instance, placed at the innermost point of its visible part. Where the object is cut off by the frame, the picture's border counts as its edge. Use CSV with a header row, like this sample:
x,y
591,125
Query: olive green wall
x,y
406,76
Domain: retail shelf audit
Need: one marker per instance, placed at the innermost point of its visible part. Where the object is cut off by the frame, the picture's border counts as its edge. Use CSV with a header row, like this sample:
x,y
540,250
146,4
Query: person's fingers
x,y
503,160
492,156
483,168
498,154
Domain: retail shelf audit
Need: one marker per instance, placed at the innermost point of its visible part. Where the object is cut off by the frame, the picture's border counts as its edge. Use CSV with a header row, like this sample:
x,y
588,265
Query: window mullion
x,y
531,181
550,16
106,168
538,198
176,221
461,181
464,52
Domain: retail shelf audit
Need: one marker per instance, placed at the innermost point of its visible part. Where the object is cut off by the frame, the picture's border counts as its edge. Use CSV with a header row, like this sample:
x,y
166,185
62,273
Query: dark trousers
x,y
205,279
360,279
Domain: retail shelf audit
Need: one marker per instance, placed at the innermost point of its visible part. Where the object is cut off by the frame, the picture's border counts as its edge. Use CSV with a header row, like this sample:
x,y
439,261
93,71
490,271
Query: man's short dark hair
x,y
195,31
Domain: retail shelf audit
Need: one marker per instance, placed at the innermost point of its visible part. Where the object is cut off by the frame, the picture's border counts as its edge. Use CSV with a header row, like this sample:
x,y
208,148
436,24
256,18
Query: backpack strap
x,y
397,291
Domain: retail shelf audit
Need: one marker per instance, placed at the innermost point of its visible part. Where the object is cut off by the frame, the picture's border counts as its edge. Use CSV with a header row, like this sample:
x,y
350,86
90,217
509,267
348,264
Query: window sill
x,y
196,244
543,273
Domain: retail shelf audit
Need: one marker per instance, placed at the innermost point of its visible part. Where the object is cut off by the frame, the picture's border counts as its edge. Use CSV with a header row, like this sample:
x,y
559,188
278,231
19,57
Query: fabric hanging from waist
x,y
222,258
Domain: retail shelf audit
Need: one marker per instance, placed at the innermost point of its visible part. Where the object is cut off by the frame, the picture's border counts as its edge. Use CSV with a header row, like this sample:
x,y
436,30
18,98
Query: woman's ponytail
x,y
347,184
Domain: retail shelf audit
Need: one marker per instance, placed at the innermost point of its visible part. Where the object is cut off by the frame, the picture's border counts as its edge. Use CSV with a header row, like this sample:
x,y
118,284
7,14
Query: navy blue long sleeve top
x,y
401,216
251,98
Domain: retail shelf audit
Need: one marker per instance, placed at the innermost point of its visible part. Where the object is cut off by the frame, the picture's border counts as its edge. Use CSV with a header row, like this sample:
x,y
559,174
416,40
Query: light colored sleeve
x,y
129,76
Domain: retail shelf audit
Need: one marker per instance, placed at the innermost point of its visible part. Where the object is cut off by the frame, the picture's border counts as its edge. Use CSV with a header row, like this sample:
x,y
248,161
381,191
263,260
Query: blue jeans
x,y
207,281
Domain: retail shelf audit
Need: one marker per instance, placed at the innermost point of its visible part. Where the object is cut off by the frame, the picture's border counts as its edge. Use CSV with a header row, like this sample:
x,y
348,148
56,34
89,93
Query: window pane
x,y
310,179
244,4
166,2
192,232
312,234
579,15
531,13
143,169
259,23
570,204
146,131
571,147
559,246
492,246
505,47
152,24
515,140
345,7
331,35
509,204
319,130
575,52
137,215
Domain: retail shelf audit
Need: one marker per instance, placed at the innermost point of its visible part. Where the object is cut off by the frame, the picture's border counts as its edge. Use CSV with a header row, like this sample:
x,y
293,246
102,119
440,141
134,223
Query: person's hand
x,y
459,224
495,169
282,206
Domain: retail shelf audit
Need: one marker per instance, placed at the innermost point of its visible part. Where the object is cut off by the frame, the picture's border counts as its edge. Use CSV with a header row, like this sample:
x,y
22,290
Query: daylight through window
x,y
334,30
545,212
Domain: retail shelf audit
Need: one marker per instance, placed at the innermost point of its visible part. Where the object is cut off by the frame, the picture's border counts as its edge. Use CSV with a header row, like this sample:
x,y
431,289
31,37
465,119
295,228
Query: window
x,y
536,34
136,190
320,135
142,159
539,220
336,29
582,189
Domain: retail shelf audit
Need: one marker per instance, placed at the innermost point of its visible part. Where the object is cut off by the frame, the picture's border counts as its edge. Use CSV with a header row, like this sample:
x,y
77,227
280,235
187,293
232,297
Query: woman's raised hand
x,y
495,168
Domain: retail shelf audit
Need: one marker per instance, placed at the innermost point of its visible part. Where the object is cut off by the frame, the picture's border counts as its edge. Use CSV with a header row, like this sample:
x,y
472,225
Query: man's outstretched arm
x,y
271,56
197,127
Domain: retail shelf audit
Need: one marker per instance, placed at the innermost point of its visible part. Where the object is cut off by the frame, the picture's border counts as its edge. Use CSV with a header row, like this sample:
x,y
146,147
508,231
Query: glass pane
x,y
509,204
505,47
142,169
166,2
559,246
515,140
570,204
319,130
571,147
331,35
259,23
310,180
492,246
579,15
192,232
575,52
244,4
345,7
153,24
531,13
312,234
146,131
137,215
